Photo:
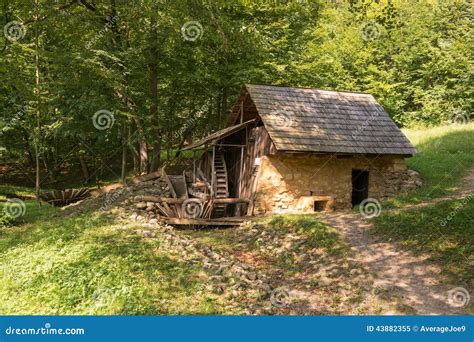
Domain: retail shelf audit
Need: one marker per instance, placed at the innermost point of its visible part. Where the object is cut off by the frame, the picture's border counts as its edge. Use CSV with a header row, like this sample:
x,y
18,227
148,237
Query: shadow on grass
x,y
445,231
91,265
320,235
46,223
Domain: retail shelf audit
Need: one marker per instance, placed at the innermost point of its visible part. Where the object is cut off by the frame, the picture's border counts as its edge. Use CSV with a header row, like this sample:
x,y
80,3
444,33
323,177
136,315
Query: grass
x,y
444,156
445,231
52,264
15,189
90,264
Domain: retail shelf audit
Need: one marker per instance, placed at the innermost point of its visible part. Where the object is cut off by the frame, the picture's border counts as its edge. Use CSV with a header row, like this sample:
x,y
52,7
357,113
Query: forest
x,y
104,105
102,89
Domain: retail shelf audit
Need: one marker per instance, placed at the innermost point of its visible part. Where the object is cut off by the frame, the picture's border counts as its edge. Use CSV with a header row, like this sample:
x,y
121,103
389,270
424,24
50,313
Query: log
x,y
147,177
159,199
181,200
203,222
172,191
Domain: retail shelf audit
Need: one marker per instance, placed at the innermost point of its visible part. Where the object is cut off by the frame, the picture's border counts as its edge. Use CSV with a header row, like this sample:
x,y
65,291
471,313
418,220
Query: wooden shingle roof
x,y
314,120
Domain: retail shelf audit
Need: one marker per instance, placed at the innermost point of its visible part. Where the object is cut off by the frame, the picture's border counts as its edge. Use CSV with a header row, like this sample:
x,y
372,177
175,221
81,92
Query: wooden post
x,y
238,207
213,175
194,166
242,111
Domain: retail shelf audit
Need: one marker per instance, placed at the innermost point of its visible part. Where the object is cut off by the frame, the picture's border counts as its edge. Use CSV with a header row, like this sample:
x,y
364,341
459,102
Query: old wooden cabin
x,y
296,150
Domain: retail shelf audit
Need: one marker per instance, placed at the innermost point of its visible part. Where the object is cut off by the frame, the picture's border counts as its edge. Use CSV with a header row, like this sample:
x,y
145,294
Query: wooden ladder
x,y
221,184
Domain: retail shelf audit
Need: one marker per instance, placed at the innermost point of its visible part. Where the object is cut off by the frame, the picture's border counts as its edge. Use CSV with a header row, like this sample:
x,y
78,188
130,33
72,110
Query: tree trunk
x,y
85,169
143,157
153,90
26,137
136,160
124,152
38,113
224,105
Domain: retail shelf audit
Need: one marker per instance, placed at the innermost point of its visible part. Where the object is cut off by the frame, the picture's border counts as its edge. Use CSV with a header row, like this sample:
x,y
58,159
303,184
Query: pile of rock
x,y
401,181
227,276
120,200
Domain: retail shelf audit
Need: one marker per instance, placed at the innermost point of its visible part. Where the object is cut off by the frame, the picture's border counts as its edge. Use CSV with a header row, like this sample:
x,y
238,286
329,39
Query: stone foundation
x,y
290,183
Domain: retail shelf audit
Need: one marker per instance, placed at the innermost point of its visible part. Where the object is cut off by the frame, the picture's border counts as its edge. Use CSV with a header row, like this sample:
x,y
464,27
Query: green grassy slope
x,y
51,264
444,156
54,264
444,230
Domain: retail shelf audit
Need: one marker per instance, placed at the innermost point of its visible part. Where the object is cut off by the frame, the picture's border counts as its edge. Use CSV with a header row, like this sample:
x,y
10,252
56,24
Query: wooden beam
x,y
181,200
203,222
177,208
170,185
213,176
159,199
147,177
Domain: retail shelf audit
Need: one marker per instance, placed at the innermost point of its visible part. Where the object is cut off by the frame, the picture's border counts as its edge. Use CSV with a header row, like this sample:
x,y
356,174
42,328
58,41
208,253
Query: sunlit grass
x,y
445,154
444,231
51,264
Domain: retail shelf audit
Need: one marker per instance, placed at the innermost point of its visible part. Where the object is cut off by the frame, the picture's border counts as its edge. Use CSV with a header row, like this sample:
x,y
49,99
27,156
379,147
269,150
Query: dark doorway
x,y
320,205
360,186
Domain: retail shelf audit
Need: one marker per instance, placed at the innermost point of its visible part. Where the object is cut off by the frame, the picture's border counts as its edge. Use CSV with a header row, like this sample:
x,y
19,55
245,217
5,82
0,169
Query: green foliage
x,y
415,60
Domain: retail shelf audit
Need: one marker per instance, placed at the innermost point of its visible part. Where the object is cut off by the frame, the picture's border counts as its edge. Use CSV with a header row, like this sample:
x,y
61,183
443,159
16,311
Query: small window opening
x,y
320,205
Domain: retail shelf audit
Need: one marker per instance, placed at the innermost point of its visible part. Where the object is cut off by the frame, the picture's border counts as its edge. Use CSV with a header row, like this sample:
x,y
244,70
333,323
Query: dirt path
x,y
411,278
400,273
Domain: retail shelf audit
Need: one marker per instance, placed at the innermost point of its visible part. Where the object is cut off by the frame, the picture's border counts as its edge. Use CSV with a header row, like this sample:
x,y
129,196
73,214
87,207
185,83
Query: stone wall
x,y
292,182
